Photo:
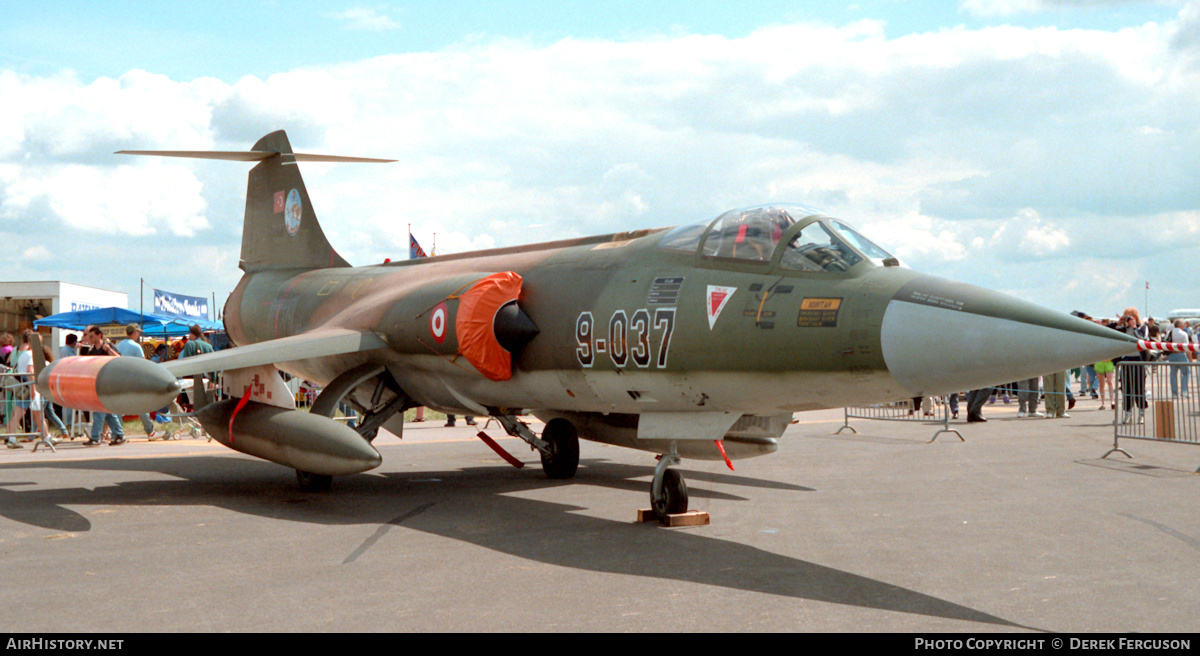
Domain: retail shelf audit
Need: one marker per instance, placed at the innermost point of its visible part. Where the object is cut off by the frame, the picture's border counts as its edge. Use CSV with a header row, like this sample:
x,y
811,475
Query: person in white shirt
x,y
32,400
1178,335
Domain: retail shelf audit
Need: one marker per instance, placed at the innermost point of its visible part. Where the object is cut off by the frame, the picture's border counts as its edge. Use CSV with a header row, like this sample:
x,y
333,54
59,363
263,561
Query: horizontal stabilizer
x,y
250,155
304,346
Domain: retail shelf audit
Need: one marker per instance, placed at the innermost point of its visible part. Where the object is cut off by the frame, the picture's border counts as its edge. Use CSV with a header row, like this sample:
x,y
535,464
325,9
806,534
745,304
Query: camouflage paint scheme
x,y
629,350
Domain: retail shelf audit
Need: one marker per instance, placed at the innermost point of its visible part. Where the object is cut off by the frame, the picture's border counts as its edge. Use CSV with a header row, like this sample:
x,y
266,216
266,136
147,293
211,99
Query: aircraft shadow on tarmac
x,y
476,505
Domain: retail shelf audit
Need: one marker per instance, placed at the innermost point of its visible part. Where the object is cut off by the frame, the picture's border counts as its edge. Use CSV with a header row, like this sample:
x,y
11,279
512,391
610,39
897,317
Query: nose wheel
x,y
668,491
672,498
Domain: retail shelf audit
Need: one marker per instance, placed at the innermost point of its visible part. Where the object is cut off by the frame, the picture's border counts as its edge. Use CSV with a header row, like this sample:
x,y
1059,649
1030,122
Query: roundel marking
x,y
437,323
292,212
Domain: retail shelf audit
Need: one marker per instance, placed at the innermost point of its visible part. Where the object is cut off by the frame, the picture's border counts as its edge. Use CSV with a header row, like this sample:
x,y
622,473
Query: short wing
x,y
316,344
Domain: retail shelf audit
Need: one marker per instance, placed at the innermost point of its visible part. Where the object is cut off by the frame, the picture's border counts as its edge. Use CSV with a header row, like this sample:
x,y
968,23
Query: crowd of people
x,y
23,396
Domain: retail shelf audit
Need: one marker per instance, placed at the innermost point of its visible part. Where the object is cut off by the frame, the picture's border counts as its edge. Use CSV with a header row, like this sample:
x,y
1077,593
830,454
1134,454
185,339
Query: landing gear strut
x,y
370,418
377,411
558,445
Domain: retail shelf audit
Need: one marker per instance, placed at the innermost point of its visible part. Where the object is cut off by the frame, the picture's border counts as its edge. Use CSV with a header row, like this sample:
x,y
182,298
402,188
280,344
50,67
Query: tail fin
x,y
280,229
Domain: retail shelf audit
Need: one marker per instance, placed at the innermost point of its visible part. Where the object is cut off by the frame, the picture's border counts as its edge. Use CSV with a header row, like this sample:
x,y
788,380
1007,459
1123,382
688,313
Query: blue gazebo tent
x,y
101,317
179,327
153,325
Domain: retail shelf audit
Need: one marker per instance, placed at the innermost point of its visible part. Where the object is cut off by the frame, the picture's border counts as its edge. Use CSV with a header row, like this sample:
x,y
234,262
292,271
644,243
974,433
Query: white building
x,y
23,302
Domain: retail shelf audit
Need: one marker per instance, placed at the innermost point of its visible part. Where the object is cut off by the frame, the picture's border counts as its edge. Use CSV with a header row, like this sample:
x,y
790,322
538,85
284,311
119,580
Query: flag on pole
x,y
414,249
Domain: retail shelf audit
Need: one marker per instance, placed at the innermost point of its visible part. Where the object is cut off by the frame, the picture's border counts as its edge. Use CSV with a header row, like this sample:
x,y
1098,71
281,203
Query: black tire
x,y
563,459
310,482
674,498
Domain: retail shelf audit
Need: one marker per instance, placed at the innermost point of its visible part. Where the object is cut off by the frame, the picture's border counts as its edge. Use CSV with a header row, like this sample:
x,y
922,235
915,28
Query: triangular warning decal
x,y
717,298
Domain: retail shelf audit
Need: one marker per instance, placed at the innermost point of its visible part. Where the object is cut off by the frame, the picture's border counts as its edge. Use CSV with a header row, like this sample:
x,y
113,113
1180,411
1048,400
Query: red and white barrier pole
x,y
1170,347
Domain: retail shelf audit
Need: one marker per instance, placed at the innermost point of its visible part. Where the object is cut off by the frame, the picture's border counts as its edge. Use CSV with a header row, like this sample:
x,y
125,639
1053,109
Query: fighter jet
x,y
697,341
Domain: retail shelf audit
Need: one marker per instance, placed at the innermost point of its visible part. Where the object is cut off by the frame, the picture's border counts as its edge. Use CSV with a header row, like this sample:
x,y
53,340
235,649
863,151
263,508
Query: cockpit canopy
x,y
804,237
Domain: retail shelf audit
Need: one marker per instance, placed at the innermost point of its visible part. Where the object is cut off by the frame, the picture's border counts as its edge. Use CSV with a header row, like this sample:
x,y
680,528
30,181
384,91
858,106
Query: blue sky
x,y
1045,149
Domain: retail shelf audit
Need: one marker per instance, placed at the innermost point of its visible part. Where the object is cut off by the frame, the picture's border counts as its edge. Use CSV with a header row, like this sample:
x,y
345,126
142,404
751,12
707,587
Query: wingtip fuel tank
x,y
117,385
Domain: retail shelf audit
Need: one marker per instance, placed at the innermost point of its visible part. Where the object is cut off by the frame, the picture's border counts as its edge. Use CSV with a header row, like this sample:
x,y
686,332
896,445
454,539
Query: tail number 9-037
x,y
628,337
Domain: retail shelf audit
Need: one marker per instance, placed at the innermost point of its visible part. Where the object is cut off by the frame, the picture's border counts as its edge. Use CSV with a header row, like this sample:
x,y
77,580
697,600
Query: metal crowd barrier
x,y
179,421
1158,401
14,387
904,411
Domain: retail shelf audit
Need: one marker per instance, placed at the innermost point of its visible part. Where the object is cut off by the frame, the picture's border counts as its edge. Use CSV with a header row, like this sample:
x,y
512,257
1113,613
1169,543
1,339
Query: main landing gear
x,y
561,459
386,400
310,482
558,445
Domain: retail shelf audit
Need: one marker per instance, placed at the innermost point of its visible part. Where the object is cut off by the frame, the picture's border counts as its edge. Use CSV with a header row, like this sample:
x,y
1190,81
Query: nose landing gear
x,y
668,491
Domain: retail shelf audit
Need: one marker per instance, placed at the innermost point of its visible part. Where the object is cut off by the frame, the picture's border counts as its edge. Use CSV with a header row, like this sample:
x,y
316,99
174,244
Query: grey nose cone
x,y
940,336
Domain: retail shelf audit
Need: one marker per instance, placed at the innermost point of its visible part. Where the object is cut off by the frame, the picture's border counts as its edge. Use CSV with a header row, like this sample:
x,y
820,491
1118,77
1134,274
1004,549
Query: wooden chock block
x,y
689,518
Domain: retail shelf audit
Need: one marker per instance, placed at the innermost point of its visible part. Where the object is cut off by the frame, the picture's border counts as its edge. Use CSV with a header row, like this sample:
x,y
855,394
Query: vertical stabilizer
x,y
281,229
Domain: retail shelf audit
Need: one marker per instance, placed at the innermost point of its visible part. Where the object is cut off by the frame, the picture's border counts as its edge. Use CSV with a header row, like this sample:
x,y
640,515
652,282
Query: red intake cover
x,y
477,309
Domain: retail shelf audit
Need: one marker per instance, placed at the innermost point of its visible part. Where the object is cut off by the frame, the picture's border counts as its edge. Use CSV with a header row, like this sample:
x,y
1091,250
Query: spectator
x,y
470,421
975,402
196,345
51,410
69,349
6,348
160,353
1178,335
1133,379
1089,382
1108,384
27,396
130,347
96,345
1027,398
1056,389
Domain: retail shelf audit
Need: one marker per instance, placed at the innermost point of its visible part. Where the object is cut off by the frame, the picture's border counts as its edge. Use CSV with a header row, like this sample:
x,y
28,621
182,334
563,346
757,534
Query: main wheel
x,y
674,499
310,482
563,459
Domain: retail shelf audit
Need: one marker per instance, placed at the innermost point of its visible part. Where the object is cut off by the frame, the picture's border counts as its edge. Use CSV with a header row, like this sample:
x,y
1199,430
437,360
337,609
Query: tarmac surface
x,y
1022,527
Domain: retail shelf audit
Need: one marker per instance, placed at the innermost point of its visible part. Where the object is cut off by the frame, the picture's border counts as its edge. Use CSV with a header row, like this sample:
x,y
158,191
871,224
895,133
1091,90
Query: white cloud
x,y
365,18
992,8
1005,8
145,199
36,254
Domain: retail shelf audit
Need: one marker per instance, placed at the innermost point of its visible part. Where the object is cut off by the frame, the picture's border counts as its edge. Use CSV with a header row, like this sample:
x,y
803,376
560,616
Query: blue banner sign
x,y
178,305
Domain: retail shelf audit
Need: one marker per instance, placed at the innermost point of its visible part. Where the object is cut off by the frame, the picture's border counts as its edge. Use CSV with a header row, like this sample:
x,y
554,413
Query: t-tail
x,y
280,229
